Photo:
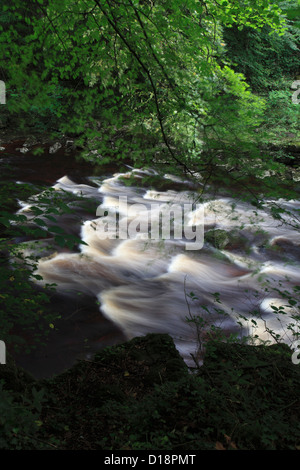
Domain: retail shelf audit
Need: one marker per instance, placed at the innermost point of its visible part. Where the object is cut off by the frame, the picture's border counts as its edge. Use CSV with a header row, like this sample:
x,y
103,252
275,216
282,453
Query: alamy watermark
x,y
2,92
296,86
160,222
296,353
2,352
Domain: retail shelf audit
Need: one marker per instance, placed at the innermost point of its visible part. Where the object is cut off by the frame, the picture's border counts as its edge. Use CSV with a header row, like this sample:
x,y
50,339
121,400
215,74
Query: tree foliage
x,y
173,82
148,80
142,79
264,57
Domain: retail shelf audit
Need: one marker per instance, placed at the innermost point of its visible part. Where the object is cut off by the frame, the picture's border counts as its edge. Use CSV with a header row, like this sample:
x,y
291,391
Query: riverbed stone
x,y
218,238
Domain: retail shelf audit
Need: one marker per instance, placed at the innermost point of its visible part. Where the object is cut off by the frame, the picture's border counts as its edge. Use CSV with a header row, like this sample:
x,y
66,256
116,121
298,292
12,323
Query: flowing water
x,y
153,285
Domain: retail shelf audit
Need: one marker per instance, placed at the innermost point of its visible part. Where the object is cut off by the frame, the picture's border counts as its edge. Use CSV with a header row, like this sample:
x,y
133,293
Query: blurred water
x,y
154,285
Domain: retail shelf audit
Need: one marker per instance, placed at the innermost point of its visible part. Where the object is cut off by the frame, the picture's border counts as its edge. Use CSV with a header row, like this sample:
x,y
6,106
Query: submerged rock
x,y
218,238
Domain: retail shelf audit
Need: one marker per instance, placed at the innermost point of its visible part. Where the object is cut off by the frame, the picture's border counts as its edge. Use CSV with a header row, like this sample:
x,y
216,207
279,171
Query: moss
x,y
233,240
218,238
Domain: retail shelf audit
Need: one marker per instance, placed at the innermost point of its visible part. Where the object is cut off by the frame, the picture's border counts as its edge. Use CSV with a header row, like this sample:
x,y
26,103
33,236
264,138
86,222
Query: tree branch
x,y
147,72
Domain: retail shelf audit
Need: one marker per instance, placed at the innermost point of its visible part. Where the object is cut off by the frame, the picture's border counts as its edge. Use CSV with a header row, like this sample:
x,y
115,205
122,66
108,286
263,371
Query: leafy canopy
x,y
145,79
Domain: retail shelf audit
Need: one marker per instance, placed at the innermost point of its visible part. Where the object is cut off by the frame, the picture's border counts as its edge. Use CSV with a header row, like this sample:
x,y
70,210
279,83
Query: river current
x,y
231,283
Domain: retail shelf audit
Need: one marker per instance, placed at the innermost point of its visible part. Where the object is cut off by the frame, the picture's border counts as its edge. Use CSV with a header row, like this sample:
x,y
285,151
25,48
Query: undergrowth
x,y
140,396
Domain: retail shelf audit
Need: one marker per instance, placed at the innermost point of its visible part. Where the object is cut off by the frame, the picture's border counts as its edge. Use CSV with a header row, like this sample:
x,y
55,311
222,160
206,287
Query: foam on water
x,y
145,285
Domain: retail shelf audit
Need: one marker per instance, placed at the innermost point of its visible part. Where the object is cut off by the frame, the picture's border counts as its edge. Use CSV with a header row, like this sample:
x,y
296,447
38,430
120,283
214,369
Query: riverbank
x,y
139,395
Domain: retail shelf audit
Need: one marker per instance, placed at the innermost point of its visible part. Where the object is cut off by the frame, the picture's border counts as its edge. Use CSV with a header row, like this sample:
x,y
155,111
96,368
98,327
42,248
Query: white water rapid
x,y
154,285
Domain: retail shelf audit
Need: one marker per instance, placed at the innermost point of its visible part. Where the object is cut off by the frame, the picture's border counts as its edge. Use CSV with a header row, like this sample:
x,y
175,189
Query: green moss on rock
x,y
218,238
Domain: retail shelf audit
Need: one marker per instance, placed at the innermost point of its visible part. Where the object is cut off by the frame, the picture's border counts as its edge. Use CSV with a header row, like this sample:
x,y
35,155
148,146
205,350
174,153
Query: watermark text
x,y
2,92
160,222
296,86
296,353
2,352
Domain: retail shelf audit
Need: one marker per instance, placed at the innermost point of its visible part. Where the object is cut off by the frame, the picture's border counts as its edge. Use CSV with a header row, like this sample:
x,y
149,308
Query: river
x,y
110,289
